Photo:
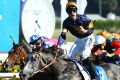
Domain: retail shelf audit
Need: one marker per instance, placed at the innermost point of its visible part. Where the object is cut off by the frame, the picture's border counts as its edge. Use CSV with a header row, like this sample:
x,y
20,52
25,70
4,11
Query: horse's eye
x,y
34,59
16,52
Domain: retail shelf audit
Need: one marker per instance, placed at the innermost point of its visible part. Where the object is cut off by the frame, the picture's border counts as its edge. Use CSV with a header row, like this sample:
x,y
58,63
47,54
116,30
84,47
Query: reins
x,y
52,62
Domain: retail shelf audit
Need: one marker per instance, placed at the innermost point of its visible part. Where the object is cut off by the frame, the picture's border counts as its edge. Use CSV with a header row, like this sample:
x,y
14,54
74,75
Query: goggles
x,y
70,9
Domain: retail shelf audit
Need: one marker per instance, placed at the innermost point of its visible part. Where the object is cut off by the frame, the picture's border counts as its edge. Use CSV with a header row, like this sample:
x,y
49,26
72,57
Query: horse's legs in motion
x,y
91,68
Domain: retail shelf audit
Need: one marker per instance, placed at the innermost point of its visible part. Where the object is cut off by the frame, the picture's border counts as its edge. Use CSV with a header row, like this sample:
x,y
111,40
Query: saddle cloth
x,y
100,71
84,73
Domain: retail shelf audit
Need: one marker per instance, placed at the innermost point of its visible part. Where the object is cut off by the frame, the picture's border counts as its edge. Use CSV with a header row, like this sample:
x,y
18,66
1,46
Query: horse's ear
x,y
14,44
21,45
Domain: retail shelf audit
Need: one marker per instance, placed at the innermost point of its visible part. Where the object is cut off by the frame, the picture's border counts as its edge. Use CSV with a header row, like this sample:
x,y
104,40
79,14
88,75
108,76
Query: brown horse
x,y
16,56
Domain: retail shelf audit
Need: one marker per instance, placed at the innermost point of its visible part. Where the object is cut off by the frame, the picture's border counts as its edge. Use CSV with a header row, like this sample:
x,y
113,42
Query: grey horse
x,y
38,68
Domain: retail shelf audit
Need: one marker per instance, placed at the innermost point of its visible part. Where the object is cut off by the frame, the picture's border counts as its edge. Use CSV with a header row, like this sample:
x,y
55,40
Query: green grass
x,y
69,37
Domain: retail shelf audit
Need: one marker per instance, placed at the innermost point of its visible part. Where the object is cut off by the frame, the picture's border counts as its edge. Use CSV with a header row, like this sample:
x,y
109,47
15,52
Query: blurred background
x,y
99,7
27,17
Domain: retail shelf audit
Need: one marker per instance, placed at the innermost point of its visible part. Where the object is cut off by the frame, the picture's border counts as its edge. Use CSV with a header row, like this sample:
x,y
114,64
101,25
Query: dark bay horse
x,y
16,56
40,68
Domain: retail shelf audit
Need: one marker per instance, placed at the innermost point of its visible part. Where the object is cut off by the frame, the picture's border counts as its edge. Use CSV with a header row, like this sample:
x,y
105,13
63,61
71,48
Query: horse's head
x,y
16,56
34,65
41,62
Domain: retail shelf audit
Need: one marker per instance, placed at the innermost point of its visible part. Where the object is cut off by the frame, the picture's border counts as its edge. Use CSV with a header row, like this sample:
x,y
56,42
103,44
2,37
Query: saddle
x,y
83,70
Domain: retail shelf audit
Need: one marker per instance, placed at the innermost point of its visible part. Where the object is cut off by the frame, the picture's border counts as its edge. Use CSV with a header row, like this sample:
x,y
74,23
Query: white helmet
x,y
99,40
33,38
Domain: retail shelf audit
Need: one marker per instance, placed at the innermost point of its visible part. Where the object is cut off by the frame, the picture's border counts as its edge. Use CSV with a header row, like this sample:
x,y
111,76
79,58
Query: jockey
x,y
113,46
42,41
100,53
116,45
81,27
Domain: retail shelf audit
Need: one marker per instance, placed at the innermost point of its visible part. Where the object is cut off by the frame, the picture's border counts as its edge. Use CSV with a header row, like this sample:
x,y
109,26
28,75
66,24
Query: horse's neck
x,y
60,64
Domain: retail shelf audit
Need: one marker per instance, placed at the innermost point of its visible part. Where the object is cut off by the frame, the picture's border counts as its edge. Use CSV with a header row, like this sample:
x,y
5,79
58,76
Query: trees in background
x,y
106,6
94,7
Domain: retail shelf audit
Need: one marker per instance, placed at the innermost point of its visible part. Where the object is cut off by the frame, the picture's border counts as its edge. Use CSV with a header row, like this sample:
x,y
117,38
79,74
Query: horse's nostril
x,y
24,75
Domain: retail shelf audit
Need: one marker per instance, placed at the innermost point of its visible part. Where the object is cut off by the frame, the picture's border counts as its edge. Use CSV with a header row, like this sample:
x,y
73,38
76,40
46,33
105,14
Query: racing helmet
x,y
71,6
33,39
99,40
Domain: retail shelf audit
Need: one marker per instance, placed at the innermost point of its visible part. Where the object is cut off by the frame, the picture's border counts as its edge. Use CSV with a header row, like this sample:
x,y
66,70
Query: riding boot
x,y
91,68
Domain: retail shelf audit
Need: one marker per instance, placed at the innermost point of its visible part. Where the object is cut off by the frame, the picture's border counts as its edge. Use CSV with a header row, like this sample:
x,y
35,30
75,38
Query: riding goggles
x,y
70,9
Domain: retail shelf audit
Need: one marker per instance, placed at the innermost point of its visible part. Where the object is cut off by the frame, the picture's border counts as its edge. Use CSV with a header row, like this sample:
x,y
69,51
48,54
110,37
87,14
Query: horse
x,y
16,56
44,66
47,64
112,71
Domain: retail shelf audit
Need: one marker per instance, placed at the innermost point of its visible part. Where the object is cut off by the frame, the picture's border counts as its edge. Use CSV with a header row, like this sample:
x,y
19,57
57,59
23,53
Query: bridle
x,y
46,65
15,53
